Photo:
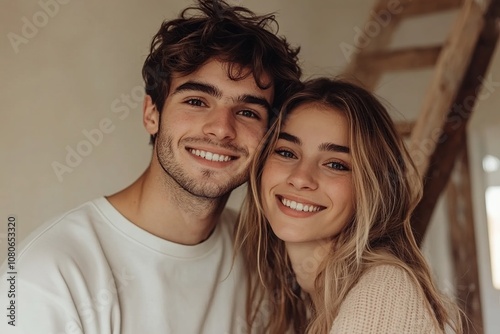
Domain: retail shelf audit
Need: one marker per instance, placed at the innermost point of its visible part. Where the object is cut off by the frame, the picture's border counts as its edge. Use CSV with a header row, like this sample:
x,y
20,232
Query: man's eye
x,y
195,102
248,113
285,153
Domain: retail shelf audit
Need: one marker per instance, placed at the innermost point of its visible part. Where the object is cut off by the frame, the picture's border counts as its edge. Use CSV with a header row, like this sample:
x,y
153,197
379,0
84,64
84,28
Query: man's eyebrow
x,y
252,99
200,87
331,147
217,93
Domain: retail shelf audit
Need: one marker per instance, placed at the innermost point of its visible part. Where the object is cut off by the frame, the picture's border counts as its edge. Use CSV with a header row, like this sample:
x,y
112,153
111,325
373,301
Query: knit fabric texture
x,y
385,301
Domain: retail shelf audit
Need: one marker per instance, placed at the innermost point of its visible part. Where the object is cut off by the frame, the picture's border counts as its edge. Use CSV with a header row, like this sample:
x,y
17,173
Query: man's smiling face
x,y
209,129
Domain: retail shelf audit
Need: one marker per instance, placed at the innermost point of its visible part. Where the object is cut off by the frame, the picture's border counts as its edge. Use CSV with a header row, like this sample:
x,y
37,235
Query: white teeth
x,y
210,156
299,206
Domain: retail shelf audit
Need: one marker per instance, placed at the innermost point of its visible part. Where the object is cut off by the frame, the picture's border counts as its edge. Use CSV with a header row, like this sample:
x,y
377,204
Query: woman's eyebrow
x,y
331,147
288,137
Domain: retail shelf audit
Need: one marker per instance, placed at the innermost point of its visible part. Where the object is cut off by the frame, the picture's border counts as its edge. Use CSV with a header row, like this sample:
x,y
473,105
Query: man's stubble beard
x,y
198,188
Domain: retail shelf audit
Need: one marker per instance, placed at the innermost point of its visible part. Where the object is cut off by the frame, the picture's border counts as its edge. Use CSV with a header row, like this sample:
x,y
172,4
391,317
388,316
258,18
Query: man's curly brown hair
x,y
215,30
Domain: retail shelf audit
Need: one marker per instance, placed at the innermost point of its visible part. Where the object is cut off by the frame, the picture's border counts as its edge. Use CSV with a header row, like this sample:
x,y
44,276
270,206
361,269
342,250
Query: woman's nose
x,y
302,176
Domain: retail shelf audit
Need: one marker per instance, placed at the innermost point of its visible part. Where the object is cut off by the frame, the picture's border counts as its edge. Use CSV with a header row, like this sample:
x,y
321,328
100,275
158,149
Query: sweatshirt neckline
x,y
148,240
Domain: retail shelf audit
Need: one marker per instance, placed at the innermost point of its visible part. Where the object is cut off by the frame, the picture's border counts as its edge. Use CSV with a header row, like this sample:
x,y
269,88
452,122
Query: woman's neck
x,y
306,258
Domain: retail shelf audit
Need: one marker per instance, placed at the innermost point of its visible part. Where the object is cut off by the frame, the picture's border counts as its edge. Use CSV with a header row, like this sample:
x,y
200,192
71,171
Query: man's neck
x,y
167,211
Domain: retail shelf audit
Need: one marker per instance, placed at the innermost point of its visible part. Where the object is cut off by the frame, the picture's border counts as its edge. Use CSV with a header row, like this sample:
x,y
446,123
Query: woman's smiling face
x,y
306,186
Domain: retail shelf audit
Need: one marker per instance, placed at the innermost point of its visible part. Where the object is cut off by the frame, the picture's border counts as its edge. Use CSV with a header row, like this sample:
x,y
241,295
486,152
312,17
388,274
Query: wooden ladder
x,y
437,137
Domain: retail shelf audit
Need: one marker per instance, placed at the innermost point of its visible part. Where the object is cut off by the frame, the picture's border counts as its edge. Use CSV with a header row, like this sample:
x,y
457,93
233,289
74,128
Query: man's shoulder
x,y
61,271
61,236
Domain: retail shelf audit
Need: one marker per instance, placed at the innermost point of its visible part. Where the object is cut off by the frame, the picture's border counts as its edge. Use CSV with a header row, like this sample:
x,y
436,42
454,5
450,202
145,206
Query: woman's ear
x,y
150,116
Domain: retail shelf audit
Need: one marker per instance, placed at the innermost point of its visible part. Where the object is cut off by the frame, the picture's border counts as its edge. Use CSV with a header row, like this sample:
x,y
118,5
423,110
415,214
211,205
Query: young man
x,y
157,257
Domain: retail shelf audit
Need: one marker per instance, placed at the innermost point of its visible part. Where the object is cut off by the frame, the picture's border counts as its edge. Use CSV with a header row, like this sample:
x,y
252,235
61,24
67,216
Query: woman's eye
x,y
195,102
285,153
248,113
337,166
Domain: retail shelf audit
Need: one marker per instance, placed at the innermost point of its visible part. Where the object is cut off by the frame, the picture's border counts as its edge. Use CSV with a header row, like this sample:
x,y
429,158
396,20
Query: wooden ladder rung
x,y
409,8
399,60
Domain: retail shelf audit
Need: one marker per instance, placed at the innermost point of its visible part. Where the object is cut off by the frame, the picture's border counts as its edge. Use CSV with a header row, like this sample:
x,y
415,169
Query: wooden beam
x,y
440,134
387,15
400,60
422,7
463,243
449,73
404,128
380,41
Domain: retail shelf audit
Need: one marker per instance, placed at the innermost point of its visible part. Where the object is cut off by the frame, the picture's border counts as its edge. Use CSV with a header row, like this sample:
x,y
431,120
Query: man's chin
x,y
215,190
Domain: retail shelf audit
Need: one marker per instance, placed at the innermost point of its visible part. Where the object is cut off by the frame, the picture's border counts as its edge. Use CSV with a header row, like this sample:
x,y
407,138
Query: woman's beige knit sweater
x,y
385,301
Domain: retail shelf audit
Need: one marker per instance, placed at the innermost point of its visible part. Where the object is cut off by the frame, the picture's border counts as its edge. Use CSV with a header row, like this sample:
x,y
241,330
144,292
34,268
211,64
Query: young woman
x,y
326,223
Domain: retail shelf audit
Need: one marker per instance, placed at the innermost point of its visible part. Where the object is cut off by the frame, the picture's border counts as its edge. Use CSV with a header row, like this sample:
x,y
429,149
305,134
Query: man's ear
x,y
150,116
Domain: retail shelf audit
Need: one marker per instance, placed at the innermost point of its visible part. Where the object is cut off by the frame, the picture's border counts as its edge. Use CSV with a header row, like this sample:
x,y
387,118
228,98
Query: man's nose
x,y
220,124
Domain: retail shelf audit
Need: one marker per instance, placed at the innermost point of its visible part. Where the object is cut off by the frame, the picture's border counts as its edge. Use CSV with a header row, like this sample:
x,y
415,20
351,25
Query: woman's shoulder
x,y
388,284
386,274
386,299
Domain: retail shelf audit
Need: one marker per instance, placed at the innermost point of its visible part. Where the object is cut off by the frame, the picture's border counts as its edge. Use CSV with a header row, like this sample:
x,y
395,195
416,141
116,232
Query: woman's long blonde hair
x,y
387,189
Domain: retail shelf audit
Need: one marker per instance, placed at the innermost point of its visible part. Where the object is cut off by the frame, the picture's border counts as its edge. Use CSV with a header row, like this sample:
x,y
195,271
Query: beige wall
x,y
78,72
